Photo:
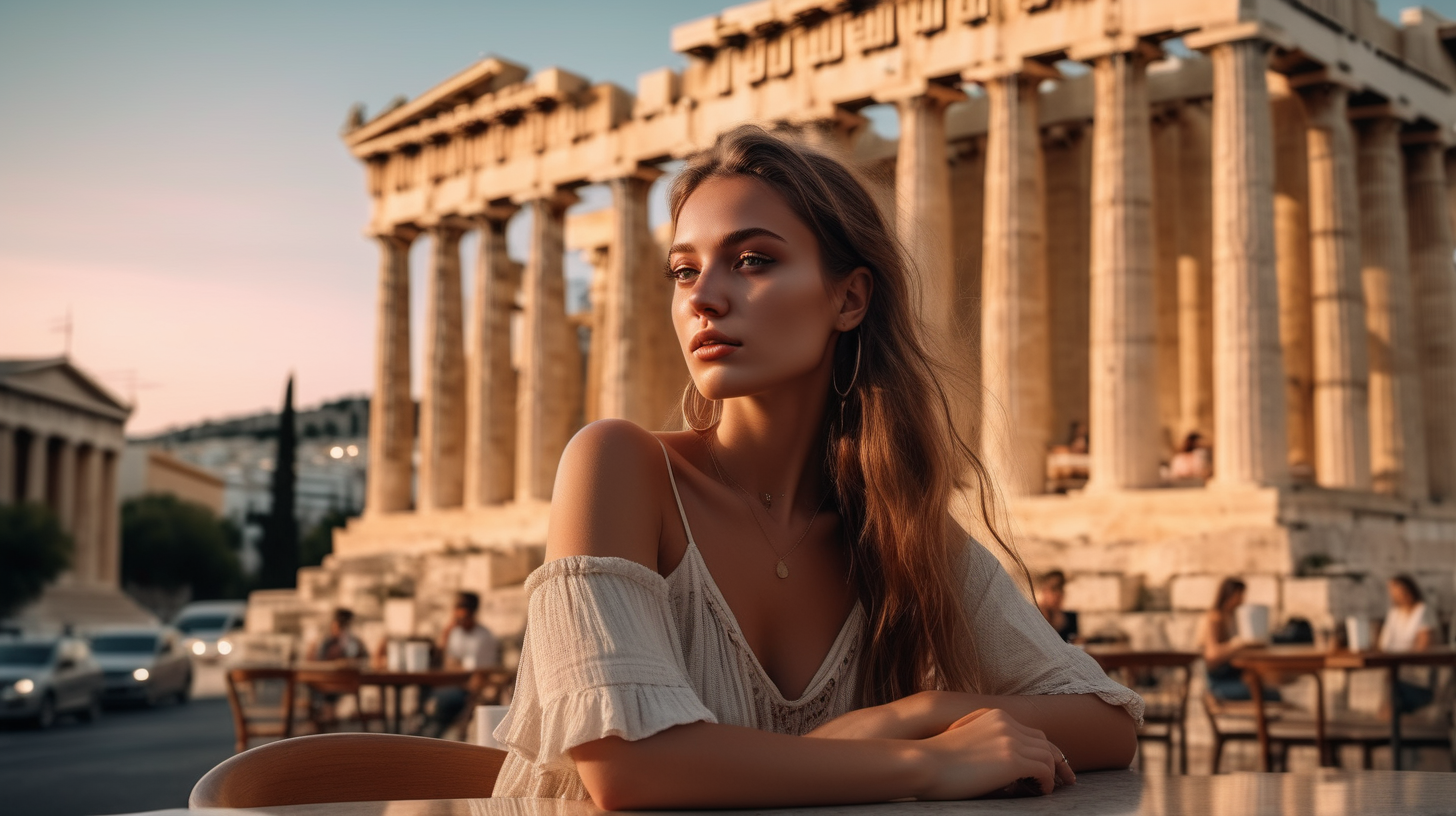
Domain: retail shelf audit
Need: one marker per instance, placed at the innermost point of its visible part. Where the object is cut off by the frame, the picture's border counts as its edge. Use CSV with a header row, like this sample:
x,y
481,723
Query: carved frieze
x,y
824,43
971,12
870,29
922,16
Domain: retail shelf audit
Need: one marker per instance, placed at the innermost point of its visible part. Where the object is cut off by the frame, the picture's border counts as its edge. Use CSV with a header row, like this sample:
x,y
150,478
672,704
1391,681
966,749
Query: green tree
x,y
279,546
168,543
319,540
33,551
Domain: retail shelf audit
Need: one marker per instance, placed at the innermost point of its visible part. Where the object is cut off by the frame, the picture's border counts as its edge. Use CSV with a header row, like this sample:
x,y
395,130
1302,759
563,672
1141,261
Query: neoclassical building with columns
x,y
1154,217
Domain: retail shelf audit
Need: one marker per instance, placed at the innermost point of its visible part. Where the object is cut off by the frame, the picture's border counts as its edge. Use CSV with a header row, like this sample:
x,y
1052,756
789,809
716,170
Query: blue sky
x,y
171,175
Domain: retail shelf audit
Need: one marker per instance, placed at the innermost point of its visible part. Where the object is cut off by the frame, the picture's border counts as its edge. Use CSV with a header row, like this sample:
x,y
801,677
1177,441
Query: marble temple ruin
x,y
1154,217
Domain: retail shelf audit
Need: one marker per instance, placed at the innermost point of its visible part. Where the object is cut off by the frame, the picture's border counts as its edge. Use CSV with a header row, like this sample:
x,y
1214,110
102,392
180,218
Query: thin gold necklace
x,y
782,569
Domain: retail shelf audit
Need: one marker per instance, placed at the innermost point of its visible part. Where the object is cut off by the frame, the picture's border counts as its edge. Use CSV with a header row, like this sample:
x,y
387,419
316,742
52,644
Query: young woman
x,y
1409,627
774,607
1218,641
1051,593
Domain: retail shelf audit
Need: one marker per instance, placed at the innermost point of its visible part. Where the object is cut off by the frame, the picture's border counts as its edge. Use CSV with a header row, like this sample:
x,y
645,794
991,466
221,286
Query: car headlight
x,y
199,648
224,647
141,675
24,685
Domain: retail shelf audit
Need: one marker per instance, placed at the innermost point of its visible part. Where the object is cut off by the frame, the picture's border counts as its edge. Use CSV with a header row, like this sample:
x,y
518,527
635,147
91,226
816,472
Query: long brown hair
x,y
892,452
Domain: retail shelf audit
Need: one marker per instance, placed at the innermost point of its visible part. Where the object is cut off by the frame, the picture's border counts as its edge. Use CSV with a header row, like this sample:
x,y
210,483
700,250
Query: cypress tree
x,y
279,547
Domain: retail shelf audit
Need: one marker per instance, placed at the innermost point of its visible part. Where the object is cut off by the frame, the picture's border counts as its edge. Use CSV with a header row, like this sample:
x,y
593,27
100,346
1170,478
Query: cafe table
x,y
1284,660
394,681
1110,793
1392,663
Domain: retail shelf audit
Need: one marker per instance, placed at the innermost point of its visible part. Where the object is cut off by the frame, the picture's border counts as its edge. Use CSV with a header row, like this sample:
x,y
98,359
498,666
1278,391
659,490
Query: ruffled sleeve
x,y
601,658
1017,652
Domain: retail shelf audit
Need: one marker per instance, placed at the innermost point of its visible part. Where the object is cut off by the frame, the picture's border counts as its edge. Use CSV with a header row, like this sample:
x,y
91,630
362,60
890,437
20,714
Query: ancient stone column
x,y
545,408
923,204
968,227
1167,200
1015,357
1067,159
1432,277
626,370
35,470
392,409
490,379
109,536
1124,423
1291,254
442,405
7,464
1249,442
1195,268
65,484
1397,432
1337,300
87,559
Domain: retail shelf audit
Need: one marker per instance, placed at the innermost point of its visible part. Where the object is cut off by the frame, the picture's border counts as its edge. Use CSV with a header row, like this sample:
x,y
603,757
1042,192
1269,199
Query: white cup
x,y
416,656
394,656
1357,633
487,719
1253,621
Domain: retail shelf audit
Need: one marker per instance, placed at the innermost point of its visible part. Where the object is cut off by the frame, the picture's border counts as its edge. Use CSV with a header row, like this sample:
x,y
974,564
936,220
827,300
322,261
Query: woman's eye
x,y
681,273
755,259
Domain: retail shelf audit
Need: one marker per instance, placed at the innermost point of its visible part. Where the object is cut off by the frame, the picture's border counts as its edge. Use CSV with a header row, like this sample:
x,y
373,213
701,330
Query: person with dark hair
x,y
1051,591
1192,461
774,606
1408,627
1218,641
465,644
341,644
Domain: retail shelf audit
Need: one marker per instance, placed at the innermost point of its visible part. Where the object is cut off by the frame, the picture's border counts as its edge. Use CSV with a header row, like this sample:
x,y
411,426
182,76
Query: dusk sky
x,y
171,175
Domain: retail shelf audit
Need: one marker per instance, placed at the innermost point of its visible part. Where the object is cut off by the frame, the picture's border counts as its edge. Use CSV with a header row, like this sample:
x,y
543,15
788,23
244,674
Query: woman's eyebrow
x,y
732,239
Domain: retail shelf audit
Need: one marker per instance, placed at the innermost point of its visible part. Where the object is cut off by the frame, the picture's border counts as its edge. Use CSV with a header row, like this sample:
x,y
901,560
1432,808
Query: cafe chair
x,y
1164,719
487,687
1233,721
325,688
262,703
349,768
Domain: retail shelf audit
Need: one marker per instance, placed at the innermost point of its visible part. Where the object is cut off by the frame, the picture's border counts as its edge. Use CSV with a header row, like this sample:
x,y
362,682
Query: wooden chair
x,y
257,710
349,768
1165,717
487,687
324,687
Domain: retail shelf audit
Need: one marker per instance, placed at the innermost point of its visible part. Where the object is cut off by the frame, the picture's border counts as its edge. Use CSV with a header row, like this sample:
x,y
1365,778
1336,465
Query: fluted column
x,y
1434,281
1167,212
35,464
1195,268
7,464
1250,445
1015,357
65,483
923,204
626,364
1337,300
1067,163
87,559
490,379
442,405
108,551
1397,435
545,408
1291,241
391,408
1124,424
968,230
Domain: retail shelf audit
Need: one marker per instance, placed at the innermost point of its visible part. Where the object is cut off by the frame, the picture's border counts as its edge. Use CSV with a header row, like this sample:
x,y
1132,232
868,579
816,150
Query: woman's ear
x,y
855,292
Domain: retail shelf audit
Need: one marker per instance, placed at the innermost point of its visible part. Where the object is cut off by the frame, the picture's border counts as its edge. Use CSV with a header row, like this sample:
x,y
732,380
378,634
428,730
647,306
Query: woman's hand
x,y
987,752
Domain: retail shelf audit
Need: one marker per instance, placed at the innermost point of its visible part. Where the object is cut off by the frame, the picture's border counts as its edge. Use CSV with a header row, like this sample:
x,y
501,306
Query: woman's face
x,y
1398,594
751,304
1234,601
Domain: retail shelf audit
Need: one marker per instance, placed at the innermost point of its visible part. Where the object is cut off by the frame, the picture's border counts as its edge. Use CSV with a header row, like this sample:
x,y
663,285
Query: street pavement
x,y
132,760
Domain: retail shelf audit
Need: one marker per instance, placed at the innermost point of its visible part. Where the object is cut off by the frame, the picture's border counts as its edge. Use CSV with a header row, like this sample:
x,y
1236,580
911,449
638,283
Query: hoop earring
x,y
853,378
695,406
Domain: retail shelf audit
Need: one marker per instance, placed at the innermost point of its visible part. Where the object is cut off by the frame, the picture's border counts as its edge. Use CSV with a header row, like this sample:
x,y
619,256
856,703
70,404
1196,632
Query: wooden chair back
x,y
253,716
349,768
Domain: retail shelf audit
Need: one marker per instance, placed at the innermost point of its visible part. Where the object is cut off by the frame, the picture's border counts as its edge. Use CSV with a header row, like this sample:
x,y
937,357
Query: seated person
x,y
341,643
1192,462
1050,593
465,644
1219,644
1409,627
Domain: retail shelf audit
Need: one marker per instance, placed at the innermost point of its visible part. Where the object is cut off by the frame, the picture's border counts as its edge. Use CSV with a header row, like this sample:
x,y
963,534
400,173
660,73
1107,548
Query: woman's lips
x,y
713,351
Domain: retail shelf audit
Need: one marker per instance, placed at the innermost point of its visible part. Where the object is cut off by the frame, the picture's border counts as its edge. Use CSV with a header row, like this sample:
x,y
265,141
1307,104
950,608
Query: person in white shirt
x,y
1409,627
465,644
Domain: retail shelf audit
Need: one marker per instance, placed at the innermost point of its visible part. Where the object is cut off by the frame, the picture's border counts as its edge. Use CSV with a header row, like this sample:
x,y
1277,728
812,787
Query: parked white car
x,y
205,626
42,678
143,664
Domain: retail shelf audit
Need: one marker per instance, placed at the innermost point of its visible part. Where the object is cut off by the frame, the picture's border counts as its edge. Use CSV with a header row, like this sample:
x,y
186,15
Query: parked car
x,y
143,665
206,625
42,678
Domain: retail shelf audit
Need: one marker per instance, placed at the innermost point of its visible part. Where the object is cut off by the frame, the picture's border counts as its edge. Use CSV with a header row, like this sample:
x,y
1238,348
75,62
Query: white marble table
x,y
1116,793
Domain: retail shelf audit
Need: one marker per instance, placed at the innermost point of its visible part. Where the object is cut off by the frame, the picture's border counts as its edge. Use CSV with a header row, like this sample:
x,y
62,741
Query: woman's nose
x,y
709,295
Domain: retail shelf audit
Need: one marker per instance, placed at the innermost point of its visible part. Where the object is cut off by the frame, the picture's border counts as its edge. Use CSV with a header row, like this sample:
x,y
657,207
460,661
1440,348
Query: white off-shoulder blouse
x,y
614,649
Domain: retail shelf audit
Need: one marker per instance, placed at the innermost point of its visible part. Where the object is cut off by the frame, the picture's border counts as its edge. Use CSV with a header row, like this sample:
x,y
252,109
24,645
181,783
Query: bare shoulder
x,y
607,500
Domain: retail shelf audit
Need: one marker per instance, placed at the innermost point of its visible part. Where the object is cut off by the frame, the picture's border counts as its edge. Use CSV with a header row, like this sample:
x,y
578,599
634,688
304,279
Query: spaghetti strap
x,y
677,496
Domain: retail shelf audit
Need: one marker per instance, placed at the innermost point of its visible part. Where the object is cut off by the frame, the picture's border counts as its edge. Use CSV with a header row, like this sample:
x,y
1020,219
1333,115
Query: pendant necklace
x,y
782,568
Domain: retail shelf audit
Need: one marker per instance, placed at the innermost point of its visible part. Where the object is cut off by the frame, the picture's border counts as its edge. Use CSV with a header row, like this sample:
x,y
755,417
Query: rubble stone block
x,y
1103,593
1195,592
